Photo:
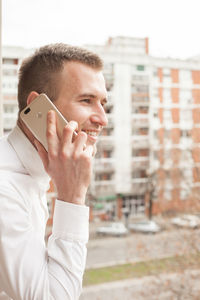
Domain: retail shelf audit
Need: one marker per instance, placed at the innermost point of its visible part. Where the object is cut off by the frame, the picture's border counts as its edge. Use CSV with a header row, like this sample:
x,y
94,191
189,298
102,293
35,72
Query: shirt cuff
x,y
71,221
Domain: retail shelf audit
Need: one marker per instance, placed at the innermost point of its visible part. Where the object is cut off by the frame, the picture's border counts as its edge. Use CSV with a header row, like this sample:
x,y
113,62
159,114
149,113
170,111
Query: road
x,y
139,247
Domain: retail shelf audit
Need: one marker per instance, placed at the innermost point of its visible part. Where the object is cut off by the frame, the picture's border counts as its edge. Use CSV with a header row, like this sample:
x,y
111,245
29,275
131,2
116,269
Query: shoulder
x,y
8,158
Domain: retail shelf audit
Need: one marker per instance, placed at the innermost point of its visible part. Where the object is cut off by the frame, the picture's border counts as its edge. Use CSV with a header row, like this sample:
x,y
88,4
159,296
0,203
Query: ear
x,y
31,97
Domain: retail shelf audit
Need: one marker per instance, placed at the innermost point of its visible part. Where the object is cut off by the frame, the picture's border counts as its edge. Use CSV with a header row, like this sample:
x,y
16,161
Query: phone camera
x,y
27,111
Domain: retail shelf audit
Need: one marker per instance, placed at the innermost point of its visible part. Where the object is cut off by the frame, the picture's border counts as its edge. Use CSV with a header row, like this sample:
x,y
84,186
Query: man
x,y
72,78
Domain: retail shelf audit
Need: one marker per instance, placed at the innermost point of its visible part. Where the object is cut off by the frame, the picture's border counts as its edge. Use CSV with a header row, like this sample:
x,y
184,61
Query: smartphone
x,y
35,117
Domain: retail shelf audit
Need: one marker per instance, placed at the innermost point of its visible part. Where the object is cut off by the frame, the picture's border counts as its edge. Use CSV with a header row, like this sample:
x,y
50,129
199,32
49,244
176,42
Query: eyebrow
x,y
105,100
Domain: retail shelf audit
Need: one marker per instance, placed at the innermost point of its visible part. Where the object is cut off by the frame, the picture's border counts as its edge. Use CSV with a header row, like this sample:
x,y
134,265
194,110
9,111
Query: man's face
x,y
82,98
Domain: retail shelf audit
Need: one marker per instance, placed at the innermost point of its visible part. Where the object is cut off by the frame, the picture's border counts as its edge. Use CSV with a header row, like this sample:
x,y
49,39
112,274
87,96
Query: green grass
x,y
136,270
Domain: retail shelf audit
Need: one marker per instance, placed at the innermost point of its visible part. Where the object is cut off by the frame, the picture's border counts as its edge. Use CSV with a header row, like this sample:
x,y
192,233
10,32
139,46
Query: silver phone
x,y
35,117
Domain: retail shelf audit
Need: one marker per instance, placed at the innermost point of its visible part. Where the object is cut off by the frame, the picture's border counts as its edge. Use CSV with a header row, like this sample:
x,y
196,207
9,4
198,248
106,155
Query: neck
x,y
26,131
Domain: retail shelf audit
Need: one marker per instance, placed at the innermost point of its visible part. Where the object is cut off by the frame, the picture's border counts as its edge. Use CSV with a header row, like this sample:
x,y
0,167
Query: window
x,y
10,72
167,134
186,115
155,72
10,61
139,88
103,176
167,116
140,152
9,109
185,133
167,194
140,110
140,67
107,131
104,153
184,192
166,72
185,75
139,174
155,114
166,95
140,131
108,109
185,96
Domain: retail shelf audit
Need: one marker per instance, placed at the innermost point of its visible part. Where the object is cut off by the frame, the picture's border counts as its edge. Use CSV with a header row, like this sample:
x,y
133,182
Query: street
x,y
106,251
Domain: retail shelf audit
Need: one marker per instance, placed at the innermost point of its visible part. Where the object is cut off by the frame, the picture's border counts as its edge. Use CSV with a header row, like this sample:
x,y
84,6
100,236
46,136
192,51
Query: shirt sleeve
x,y
30,270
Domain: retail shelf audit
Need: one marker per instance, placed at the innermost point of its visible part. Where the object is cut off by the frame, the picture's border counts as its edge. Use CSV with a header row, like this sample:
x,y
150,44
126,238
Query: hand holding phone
x,y
68,161
35,118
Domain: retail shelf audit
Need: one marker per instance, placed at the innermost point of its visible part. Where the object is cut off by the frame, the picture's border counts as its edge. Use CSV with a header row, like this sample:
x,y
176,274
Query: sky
x,y
172,26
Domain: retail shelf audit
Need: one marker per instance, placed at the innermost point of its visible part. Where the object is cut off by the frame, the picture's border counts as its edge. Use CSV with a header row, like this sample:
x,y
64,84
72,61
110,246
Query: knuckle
x,y
67,129
64,154
86,158
83,134
52,154
50,133
76,156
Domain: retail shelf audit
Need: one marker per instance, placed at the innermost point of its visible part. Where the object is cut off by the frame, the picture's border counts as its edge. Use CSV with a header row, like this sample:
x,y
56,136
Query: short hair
x,y
38,72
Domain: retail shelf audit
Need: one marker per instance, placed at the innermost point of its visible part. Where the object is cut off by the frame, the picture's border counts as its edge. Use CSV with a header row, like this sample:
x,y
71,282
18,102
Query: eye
x,y
86,100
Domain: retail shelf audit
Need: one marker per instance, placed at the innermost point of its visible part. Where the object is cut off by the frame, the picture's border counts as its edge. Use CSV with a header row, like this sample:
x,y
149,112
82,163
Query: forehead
x,y
82,78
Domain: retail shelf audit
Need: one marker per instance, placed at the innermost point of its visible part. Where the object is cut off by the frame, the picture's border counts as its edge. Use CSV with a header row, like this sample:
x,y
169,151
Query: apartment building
x,y
175,134
150,149
12,58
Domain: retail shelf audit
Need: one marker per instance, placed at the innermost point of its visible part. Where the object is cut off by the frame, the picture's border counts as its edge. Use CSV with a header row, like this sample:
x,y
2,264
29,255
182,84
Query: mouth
x,y
92,134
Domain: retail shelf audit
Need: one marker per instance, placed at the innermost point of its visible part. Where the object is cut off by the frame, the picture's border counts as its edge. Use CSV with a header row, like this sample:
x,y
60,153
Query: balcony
x,y
104,165
103,189
140,141
140,144
141,122
139,180
140,163
106,140
139,188
103,183
9,121
140,158
110,117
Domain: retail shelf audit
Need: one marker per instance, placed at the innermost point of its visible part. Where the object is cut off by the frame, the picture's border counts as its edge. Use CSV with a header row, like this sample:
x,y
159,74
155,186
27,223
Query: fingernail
x,y
50,114
73,124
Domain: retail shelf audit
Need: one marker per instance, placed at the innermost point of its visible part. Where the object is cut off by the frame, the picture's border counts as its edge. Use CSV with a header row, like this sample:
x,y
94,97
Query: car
x,y
146,226
187,221
115,229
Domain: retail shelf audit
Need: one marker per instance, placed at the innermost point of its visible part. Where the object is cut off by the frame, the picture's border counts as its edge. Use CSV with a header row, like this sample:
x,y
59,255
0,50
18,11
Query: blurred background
x,y
147,167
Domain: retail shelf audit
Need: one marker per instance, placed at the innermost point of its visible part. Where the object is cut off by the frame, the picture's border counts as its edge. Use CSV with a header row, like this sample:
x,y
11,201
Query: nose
x,y
99,117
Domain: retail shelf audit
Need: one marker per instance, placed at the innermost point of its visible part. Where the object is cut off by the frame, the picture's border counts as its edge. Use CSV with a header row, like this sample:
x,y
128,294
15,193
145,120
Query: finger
x,y
89,150
51,132
80,142
68,133
42,153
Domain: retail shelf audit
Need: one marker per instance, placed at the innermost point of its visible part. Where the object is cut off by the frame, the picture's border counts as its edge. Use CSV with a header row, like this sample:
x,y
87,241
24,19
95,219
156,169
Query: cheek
x,y
78,114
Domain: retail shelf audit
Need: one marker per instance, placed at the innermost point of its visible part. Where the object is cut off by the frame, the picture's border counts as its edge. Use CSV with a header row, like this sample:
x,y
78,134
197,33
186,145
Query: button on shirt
x,y
28,268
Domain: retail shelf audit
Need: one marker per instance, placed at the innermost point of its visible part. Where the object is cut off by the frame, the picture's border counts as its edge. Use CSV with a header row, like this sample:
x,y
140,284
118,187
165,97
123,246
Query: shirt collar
x,y
29,157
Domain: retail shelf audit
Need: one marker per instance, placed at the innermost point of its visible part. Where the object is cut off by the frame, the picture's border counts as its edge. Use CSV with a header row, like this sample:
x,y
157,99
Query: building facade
x,y
11,61
150,151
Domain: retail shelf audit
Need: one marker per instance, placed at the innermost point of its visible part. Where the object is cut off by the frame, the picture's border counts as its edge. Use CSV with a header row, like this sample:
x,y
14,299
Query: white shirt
x,y
28,269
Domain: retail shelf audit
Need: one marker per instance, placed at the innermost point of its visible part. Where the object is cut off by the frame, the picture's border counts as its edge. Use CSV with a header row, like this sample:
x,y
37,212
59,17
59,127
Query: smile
x,y
92,133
